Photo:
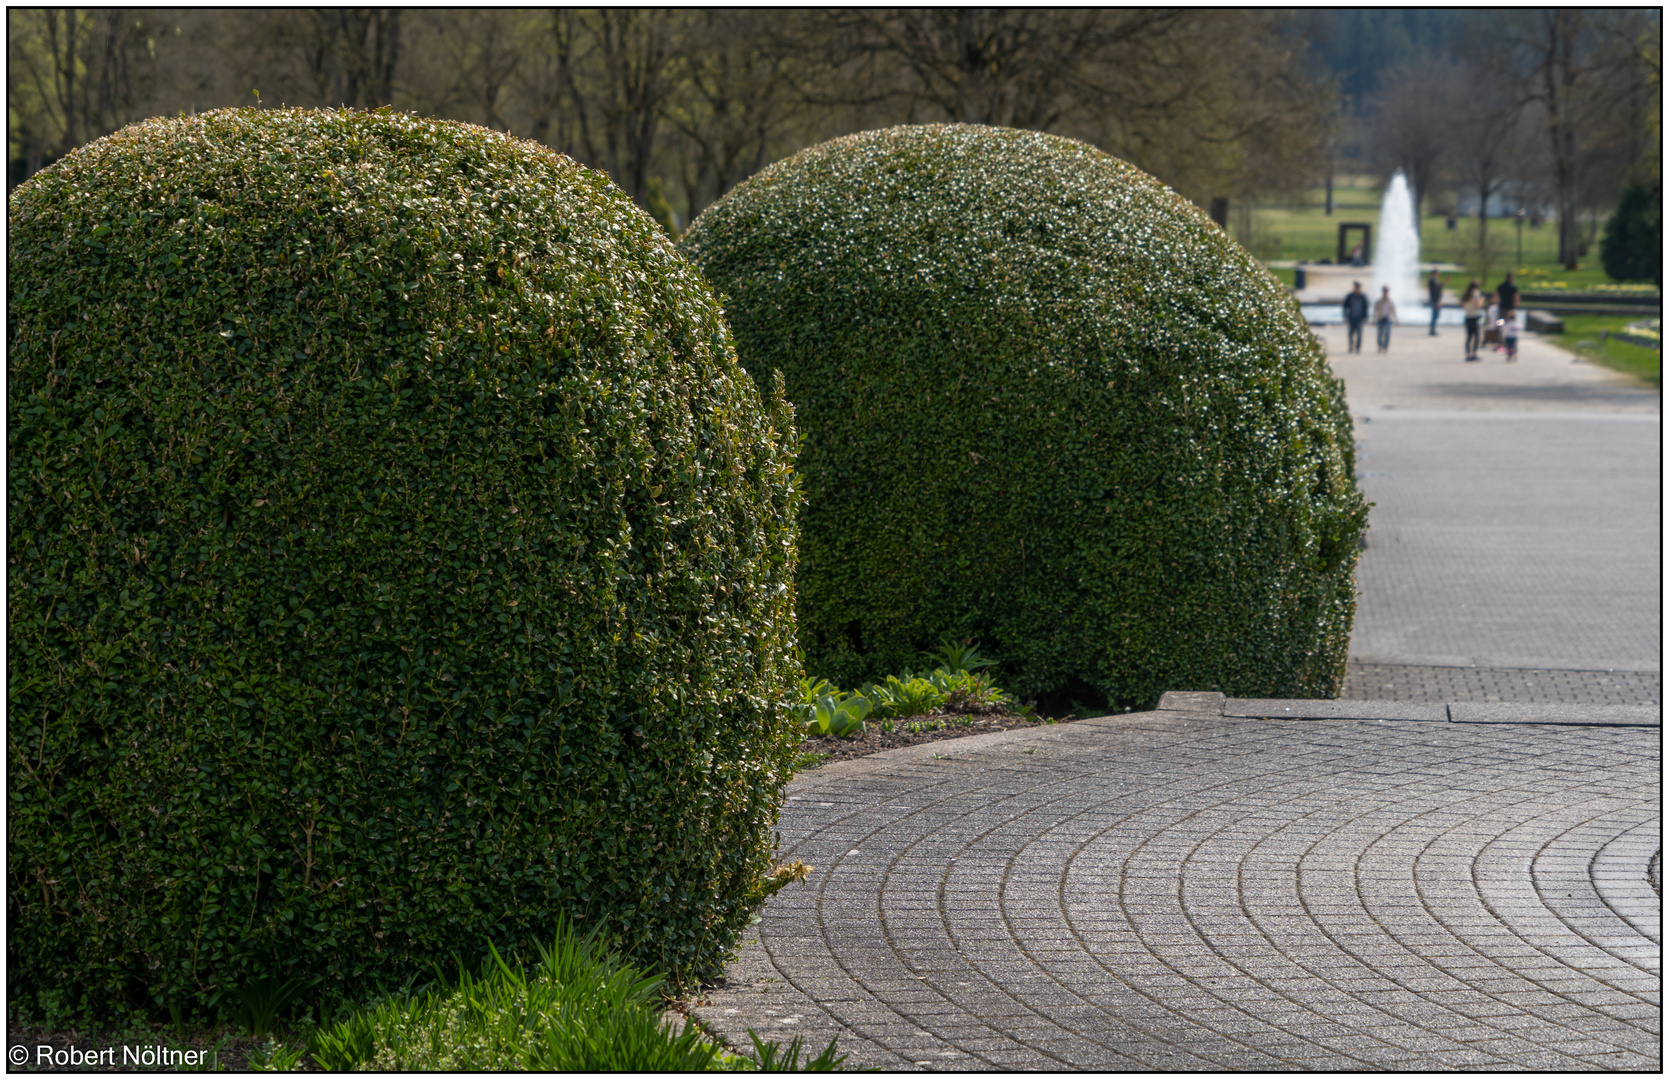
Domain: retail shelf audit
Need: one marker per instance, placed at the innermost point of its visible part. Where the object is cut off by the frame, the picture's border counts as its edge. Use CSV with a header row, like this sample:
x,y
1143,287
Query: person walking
x,y
1509,335
1434,290
1384,314
1506,294
1472,307
1355,314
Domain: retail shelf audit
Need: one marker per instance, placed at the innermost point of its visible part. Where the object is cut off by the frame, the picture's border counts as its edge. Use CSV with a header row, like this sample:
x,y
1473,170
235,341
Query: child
x,y
1509,335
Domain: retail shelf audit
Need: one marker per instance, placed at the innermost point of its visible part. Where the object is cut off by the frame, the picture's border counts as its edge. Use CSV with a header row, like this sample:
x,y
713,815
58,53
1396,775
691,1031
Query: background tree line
x,y
1557,108
678,106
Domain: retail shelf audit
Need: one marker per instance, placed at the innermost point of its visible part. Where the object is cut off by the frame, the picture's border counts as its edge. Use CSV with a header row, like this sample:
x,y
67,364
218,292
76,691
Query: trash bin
x,y
1298,276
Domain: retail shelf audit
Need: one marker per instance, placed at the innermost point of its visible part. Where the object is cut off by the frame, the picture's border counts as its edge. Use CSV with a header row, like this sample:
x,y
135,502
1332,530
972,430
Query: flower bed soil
x,y
875,738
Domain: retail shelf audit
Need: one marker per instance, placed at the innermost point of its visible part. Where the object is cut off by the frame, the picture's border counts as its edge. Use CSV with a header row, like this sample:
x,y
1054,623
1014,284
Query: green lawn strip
x,y
1582,337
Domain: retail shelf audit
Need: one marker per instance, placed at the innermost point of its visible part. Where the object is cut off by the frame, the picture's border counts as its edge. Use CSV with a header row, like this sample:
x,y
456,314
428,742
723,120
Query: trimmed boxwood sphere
x,y
398,560
1047,404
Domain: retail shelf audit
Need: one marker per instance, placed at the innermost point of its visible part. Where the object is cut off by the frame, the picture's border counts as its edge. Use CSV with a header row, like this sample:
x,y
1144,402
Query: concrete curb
x,y
1457,712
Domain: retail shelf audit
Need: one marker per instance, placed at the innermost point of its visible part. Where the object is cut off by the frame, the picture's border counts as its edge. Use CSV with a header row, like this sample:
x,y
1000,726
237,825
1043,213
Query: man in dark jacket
x,y
1506,295
1434,291
1356,314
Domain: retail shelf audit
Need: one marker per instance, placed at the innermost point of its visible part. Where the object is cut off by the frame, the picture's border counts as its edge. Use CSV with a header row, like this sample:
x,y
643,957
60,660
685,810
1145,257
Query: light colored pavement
x,y
1188,890
1439,683
1518,513
1464,877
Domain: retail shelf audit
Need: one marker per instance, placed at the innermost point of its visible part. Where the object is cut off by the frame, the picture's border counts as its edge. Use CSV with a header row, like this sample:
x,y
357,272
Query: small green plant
x,y
913,695
812,689
276,1057
781,875
961,657
773,1057
804,761
345,1043
259,1003
964,690
834,715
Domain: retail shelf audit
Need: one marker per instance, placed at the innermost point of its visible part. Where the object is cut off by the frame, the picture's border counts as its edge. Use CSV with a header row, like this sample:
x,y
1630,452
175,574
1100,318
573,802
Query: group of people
x,y
1499,309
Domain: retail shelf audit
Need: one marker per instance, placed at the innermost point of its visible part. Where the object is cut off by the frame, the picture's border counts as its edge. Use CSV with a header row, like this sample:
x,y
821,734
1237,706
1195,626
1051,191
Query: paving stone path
x,y
1188,890
1432,683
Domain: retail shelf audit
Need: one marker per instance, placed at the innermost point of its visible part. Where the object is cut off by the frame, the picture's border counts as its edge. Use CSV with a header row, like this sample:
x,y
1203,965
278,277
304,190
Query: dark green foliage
x,y
398,560
1632,249
1047,405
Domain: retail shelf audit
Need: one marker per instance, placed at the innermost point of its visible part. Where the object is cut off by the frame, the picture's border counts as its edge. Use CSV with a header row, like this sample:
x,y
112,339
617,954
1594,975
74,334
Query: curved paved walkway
x,y
1188,890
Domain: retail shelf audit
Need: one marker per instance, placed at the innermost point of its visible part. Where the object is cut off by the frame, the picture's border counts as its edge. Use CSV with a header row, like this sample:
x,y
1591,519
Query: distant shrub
x,y
398,561
1047,404
1632,249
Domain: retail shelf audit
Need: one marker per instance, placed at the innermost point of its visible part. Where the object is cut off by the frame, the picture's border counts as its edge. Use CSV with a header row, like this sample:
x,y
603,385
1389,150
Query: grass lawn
x,y
1581,336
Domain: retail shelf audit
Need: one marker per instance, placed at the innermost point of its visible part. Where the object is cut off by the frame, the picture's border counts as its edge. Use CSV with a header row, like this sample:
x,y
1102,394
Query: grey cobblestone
x,y
1191,891
1435,684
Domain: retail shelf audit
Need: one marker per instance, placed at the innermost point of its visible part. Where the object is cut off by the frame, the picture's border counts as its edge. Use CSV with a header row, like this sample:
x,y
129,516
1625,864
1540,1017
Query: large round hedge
x,y
1047,404
398,560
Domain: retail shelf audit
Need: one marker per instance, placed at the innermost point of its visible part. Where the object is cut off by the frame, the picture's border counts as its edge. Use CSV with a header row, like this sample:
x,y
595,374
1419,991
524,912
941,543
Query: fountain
x,y
1396,260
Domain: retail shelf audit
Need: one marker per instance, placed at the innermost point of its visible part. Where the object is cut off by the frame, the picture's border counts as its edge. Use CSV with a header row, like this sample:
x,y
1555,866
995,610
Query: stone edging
x,y
1455,712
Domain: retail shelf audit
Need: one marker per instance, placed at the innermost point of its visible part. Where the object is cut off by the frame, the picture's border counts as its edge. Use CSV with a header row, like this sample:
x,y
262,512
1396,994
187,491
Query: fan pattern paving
x,y
1171,892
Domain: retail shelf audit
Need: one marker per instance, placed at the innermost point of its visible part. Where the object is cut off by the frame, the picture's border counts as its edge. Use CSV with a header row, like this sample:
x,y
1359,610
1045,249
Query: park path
x,y
1432,882
1185,889
1514,546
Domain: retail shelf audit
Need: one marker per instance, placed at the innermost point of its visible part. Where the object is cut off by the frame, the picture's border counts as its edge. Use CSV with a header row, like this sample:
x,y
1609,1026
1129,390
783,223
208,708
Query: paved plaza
x,y
1184,889
1455,866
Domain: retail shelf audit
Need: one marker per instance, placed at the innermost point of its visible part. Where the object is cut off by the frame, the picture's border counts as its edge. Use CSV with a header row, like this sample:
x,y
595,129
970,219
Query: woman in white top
x,y
1472,306
1384,314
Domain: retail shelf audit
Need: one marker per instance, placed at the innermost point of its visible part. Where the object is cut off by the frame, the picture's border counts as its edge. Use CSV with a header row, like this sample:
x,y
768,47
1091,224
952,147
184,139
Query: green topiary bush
x,y
1047,405
1632,249
398,561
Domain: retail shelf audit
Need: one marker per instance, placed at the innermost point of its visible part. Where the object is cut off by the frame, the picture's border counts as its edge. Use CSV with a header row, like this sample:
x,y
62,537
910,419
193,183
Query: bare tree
x,y
1582,68
74,74
616,70
318,56
1210,103
1494,140
740,73
467,63
1416,120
